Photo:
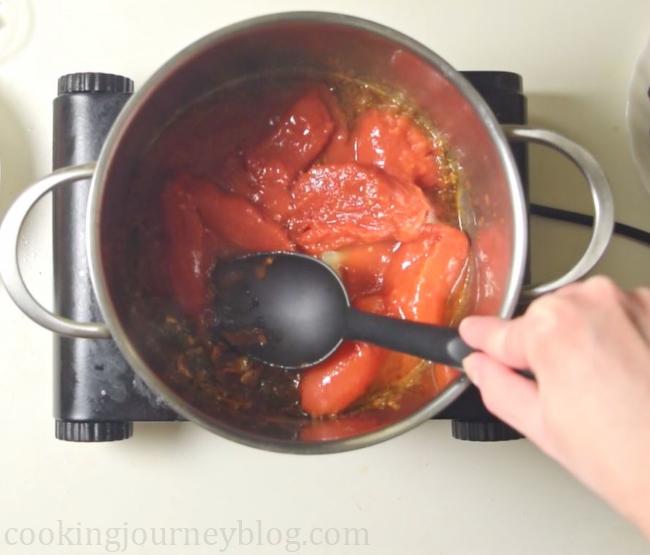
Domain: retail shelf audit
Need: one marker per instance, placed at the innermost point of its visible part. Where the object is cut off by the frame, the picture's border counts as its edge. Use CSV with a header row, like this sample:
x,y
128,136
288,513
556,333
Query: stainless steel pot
x,y
329,43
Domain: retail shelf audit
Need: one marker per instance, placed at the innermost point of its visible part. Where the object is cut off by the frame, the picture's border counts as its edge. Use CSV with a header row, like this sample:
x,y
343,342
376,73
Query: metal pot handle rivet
x,y
9,267
600,194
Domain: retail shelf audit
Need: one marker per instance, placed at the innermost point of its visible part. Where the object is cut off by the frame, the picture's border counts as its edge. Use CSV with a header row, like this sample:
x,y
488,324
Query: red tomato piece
x,y
272,190
395,366
362,267
336,383
235,219
343,204
232,176
191,248
393,142
422,274
297,139
340,149
444,375
376,304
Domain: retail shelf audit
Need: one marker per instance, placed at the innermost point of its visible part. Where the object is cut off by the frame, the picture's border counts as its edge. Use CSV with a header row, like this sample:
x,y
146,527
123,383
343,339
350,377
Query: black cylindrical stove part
x,y
502,90
96,395
506,81
92,432
89,82
483,431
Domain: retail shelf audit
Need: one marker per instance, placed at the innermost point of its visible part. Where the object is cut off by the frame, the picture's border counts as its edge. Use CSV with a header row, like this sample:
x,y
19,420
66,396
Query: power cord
x,y
625,230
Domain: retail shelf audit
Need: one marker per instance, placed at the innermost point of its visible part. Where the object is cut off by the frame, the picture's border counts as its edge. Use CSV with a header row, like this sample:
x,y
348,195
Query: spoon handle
x,y
437,343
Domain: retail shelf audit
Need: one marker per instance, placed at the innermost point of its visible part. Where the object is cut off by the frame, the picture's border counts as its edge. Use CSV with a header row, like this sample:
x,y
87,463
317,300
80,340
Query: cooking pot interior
x,y
309,44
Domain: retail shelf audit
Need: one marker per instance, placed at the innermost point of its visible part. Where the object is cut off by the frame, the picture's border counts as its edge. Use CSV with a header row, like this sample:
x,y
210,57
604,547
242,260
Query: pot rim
x,y
93,232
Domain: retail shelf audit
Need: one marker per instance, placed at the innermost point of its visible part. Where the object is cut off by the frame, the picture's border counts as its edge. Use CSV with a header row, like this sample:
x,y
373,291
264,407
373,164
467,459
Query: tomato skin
x,y
235,219
421,275
191,248
333,385
345,204
392,142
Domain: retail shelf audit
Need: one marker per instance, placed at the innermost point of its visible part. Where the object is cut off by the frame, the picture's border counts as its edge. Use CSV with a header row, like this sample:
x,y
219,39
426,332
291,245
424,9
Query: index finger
x,y
502,339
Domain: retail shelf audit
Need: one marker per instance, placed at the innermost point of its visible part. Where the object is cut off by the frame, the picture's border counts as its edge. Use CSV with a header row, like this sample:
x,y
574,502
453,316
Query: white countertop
x,y
421,493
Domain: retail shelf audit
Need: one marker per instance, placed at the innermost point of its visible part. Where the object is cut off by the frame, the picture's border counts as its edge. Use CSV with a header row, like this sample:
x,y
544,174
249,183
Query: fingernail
x,y
464,323
466,328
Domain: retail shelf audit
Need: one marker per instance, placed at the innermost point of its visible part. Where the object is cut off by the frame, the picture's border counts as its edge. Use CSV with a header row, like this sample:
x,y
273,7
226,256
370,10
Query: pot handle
x,y
10,270
600,194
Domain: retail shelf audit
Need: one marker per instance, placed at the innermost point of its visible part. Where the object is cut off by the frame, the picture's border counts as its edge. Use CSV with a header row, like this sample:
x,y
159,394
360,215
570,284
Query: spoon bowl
x,y
292,310
285,309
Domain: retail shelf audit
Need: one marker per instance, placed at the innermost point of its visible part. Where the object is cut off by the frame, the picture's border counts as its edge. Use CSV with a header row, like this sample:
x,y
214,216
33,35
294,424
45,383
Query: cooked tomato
x,y
336,383
422,274
340,149
191,248
362,267
393,142
344,204
262,173
393,365
235,219
375,304
443,376
233,176
297,139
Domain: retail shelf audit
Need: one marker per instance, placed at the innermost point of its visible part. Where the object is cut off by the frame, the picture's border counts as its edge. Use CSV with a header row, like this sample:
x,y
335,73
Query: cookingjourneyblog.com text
x,y
119,539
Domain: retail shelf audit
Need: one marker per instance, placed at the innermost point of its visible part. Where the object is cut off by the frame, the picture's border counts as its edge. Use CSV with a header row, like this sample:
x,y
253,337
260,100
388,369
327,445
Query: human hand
x,y
588,345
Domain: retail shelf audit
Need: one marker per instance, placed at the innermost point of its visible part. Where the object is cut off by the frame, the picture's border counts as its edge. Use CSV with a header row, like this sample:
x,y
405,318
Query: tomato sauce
x,y
331,167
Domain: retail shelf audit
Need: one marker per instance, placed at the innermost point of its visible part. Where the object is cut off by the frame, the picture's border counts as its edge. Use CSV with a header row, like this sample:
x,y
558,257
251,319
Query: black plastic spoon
x,y
292,310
